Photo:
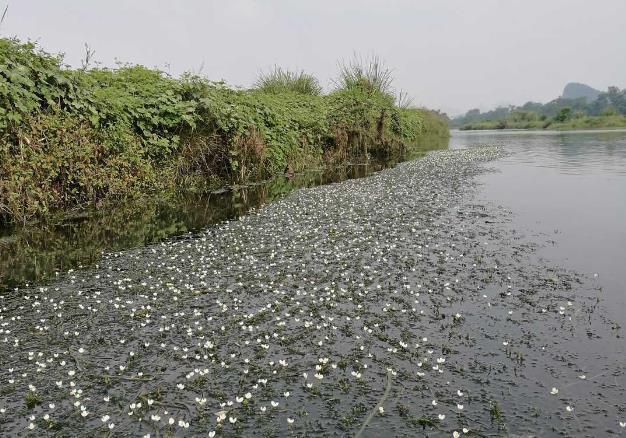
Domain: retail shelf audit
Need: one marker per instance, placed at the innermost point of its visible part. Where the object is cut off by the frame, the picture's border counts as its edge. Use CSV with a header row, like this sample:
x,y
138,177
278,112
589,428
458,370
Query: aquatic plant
x,y
301,317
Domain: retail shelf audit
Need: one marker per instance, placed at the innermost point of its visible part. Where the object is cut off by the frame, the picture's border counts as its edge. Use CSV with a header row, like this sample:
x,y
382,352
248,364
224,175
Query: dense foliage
x,y
72,137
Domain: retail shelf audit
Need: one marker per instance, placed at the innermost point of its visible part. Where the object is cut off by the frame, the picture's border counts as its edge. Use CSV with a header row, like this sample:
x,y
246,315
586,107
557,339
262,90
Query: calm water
x,y
570,186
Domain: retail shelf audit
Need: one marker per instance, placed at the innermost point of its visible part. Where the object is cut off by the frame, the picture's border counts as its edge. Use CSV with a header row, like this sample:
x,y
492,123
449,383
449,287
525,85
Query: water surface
x,y
570,186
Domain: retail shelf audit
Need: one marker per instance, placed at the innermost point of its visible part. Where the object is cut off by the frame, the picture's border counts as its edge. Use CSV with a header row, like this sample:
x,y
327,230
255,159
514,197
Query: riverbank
x,y
77,138
397,291
585,122
33,254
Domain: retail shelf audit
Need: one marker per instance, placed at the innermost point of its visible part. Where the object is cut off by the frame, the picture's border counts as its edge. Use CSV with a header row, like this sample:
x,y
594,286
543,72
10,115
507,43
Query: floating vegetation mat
x,y
393,305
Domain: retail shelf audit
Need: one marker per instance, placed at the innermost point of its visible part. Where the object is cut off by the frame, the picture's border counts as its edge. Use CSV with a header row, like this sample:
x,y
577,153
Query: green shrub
x,y
72,138
57,161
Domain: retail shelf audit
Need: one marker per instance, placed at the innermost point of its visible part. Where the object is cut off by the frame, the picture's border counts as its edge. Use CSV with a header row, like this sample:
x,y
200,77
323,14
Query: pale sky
x,y
447,54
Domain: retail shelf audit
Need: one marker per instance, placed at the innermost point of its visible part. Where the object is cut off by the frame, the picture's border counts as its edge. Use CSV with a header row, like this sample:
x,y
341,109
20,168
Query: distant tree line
x,y
609,103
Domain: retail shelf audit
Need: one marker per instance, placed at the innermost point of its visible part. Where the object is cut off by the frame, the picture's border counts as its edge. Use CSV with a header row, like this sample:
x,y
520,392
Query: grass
x,y
580,122
367,73
73,138
279,81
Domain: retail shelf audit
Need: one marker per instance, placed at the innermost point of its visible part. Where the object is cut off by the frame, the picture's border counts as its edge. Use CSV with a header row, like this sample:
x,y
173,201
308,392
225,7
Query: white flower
x,y
459,407
232,420
290,420
274,403
569,408
441,417
554,391
211,434
111,425
434,402
381,410
622,424
455,434
105,418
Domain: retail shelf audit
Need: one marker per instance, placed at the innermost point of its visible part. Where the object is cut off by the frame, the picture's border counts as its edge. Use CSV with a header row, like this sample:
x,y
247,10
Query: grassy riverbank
x,y
585,122
72,138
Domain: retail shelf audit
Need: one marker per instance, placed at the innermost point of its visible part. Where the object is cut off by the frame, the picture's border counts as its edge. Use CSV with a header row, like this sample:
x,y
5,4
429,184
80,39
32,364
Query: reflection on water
x,y
572,187
36,253
571,152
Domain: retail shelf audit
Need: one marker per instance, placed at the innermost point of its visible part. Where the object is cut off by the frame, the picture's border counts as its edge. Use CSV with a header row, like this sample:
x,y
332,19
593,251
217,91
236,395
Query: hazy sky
x,y
447,54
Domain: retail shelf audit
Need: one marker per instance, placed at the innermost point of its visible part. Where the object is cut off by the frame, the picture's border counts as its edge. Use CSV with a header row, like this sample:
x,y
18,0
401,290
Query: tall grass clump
x,y
367,73
279,80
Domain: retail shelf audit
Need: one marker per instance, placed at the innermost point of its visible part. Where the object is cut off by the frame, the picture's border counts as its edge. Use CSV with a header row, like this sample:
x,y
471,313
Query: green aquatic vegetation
x,y
32,399
279,262
496,412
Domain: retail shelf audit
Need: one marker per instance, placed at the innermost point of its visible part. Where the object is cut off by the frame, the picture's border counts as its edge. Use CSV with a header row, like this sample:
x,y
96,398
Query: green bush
x,y
72,138
57,161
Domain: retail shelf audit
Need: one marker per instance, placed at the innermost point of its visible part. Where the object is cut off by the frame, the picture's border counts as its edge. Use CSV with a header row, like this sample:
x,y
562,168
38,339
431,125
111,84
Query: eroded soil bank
x,y
394,304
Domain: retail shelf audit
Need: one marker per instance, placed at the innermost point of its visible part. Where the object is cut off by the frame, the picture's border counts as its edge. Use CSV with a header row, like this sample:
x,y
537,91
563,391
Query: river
x,y
571,187
474,291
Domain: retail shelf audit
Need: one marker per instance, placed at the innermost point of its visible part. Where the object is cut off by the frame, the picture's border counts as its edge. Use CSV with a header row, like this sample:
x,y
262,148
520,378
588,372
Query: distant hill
x,y
578,100
575,90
